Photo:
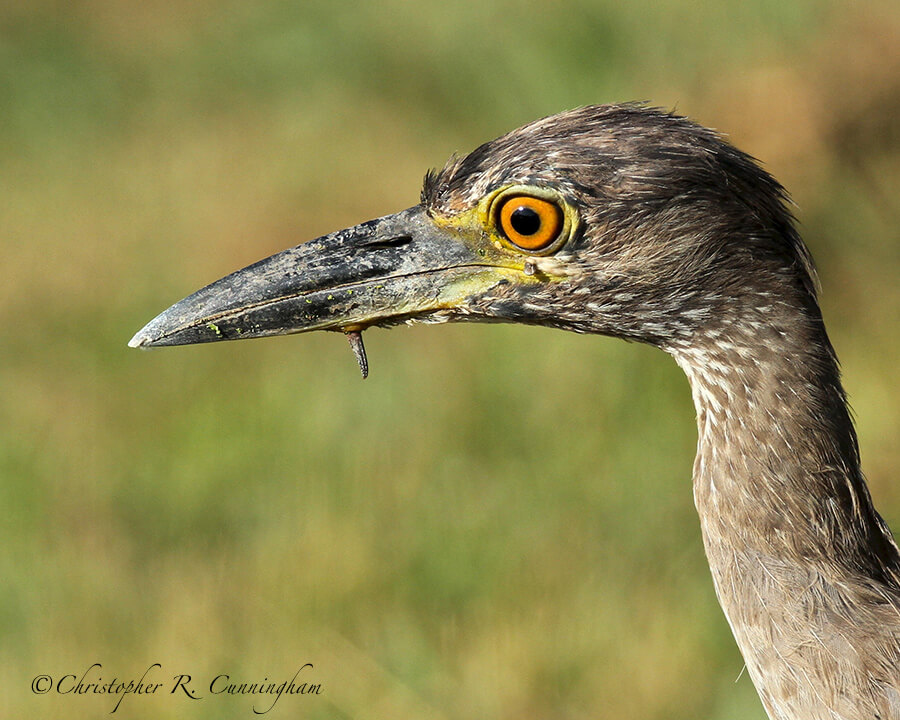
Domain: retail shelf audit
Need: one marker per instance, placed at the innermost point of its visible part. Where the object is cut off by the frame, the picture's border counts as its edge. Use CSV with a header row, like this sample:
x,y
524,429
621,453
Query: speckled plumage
x,y
687,244
668,236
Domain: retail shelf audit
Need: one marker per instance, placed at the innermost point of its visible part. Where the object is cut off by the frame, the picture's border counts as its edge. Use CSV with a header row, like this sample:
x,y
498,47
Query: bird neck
x,y
793,540
777,468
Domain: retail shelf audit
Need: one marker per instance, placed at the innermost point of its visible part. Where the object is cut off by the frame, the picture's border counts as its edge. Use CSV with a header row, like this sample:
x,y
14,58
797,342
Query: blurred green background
x,y
498,523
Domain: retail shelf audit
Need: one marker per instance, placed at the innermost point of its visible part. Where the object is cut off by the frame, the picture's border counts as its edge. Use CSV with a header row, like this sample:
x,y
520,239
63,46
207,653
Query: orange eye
x,y
530,223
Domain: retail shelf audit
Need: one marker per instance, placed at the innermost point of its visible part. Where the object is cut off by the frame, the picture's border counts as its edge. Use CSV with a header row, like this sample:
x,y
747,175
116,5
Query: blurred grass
x,y
498,523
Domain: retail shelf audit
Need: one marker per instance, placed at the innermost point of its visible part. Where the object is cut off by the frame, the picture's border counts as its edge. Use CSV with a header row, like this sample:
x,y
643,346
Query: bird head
x,y
620,220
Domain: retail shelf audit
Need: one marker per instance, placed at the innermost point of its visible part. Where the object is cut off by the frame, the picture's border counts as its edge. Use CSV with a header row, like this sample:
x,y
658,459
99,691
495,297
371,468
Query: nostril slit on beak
x,y
389,242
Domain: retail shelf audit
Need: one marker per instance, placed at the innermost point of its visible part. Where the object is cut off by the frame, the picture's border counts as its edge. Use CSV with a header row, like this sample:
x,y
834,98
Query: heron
x,y
637,223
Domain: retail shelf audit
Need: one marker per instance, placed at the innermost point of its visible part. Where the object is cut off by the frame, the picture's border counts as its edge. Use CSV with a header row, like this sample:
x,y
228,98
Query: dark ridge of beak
x,y
382,271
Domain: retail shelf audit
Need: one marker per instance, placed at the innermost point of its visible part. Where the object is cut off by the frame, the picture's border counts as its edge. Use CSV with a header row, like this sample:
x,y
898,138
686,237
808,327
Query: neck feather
x,y
799,556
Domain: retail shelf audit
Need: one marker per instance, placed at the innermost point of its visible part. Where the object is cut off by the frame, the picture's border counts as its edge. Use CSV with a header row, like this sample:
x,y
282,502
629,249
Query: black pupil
x,y
525,220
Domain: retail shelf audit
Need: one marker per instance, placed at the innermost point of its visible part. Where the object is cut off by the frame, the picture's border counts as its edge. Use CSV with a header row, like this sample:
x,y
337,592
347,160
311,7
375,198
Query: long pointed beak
x,y
384,271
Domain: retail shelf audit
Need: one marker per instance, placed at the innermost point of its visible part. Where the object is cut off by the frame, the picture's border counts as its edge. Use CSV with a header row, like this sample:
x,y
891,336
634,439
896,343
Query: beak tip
x,y
167,329
140,340
148,336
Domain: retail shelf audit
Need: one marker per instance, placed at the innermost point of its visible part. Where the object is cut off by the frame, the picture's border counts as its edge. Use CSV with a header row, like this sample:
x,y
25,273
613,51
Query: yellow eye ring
x,y
530,223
